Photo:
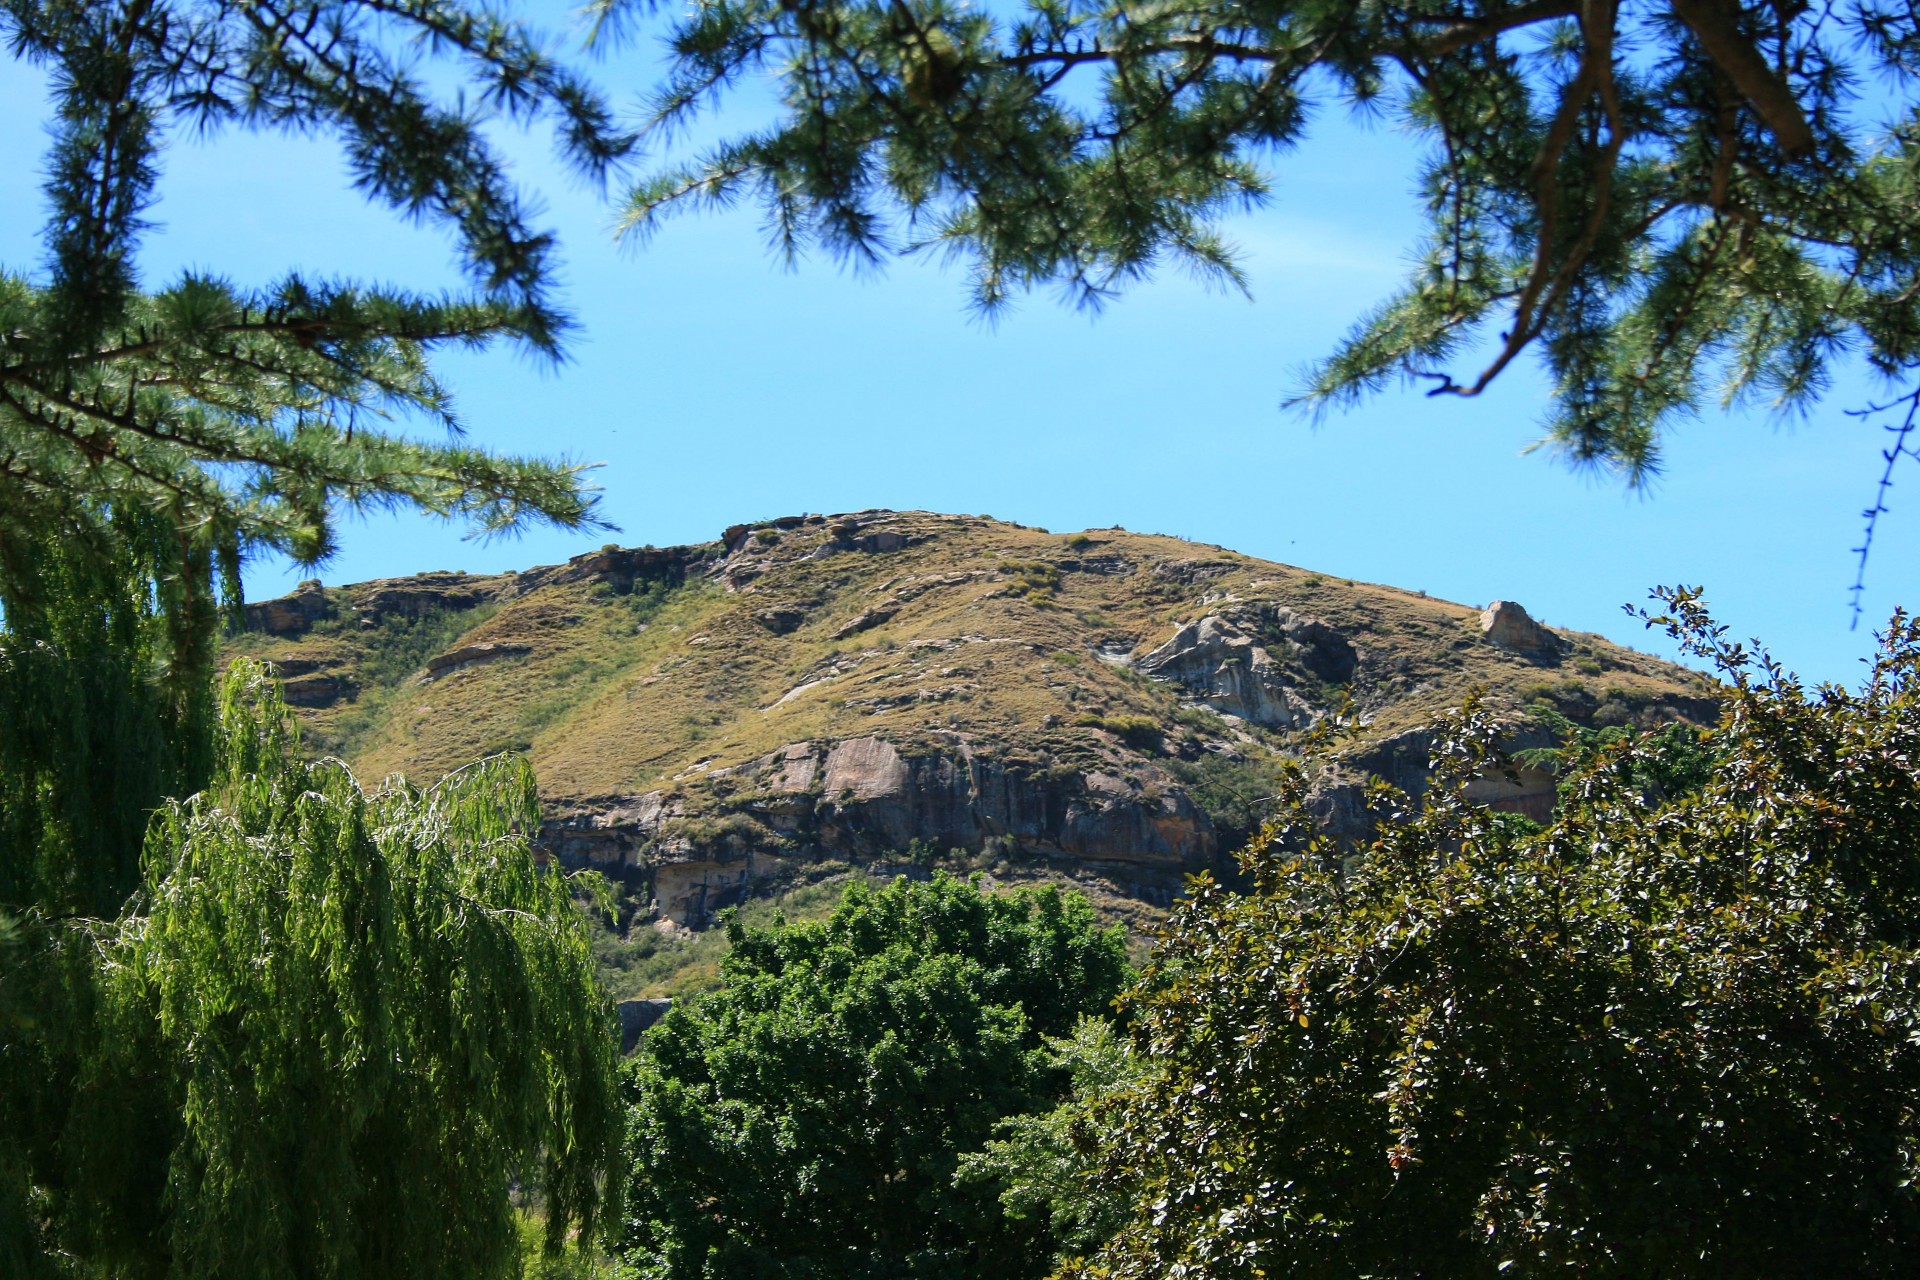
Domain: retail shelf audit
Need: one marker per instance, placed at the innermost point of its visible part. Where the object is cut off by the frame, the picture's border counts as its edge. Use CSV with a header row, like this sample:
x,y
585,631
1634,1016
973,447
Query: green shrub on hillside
x,y
1236,795
1035,579
386,656
641,960
1143,733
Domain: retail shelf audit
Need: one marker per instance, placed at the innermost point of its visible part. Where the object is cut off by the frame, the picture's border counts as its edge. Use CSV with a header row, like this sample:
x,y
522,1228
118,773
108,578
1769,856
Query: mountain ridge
x,y
808,689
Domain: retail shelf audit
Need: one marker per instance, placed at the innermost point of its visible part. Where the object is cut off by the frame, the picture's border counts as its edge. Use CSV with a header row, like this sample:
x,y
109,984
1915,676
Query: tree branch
x,y
1470,31
1716,25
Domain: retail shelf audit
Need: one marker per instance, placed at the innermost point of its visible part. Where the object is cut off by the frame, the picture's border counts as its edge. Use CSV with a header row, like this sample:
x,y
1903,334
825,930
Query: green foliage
x,y
540,1262
249,415
1045,1163
95,727
328,1026
1668,204
1674,1038
125,75
391,653
243,415
558,687
648,597
152,438
331,1030
808,1118
1236,795
643,961
1036,580
1143,733
401,643
1673,760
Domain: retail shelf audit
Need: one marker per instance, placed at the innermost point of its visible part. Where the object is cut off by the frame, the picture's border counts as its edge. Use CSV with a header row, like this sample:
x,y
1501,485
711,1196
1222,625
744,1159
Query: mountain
x,y
897,685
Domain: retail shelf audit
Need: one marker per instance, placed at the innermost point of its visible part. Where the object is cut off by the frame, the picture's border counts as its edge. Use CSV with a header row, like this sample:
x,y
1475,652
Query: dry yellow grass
x,y
1009,636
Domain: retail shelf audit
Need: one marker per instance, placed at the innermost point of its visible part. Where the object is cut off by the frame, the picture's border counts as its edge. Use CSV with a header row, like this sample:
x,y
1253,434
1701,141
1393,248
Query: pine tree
x,y
246,414
1668,202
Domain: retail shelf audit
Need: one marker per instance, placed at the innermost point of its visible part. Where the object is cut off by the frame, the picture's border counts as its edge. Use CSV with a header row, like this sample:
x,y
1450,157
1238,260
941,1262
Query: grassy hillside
x,y
685,706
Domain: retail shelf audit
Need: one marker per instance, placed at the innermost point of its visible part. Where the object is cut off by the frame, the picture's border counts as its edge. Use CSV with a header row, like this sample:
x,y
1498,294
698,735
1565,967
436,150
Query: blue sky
x,y
716,386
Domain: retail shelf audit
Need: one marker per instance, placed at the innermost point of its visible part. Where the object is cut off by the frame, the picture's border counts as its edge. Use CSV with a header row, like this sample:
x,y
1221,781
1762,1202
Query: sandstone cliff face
x,y
861,799
848,687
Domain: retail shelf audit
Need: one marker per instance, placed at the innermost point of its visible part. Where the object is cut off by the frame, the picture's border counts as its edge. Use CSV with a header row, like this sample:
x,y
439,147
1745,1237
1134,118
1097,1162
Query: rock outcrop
x,y
1509,626
780,621
620,568
468,655
1320,650
306,682
1222,667
635,1017
418,596
867,620
317,690
291,614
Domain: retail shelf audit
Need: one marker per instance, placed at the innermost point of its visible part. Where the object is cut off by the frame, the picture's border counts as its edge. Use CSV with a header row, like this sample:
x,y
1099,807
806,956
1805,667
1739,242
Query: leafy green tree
x,y
1045,1164
1671,760
334,1027
1666,201
1674,1038
808,1118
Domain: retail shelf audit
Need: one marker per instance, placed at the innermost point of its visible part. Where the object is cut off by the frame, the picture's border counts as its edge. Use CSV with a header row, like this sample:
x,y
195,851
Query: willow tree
x,y
334,1027
1665,200
151,436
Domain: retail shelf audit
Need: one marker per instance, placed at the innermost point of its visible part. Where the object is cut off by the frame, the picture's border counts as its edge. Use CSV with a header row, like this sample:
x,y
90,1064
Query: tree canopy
x,y
1673,1033
332,1029
1665,201
808,1118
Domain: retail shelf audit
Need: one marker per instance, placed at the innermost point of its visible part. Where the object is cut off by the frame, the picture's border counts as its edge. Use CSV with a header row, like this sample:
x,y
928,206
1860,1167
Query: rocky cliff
x,y
849,687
